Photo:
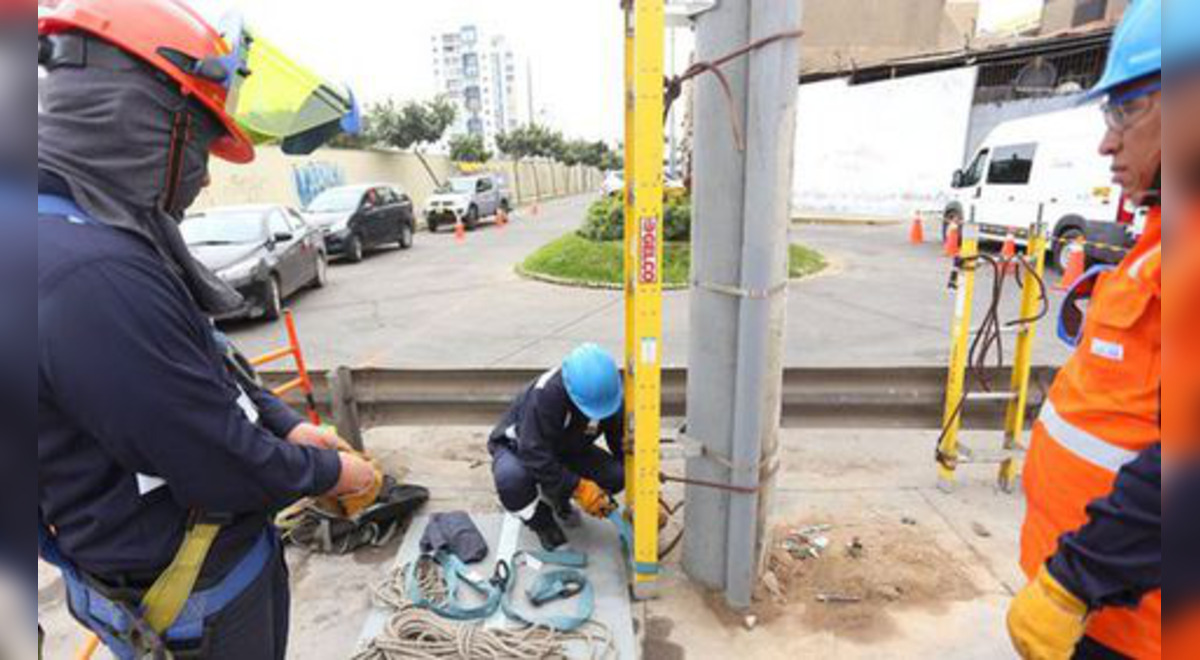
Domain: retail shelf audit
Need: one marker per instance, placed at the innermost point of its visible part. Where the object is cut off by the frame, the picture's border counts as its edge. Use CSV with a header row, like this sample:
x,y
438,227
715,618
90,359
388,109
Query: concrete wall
x,y
883,149
1059,15
272,178
840,33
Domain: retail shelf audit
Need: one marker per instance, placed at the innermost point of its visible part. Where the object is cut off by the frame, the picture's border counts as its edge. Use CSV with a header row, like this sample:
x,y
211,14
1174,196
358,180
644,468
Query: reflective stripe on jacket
x,y
1102,411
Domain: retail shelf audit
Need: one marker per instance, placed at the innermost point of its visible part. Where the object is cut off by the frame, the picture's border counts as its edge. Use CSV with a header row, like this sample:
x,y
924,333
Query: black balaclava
x,y
107,129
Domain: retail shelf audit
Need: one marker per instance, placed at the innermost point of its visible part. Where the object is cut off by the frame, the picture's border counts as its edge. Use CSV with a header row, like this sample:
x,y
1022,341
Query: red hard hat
x,y
154,30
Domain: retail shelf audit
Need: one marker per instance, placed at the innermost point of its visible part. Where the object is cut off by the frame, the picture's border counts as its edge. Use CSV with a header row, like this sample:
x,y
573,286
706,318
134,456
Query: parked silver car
x,y
467,199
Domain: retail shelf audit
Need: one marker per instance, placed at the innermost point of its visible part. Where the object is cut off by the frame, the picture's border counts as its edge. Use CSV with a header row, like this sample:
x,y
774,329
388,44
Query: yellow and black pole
x,y
645,30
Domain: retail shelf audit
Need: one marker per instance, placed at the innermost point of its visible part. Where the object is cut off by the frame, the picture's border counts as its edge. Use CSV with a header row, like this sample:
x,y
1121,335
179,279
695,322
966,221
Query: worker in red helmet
x,y
159,468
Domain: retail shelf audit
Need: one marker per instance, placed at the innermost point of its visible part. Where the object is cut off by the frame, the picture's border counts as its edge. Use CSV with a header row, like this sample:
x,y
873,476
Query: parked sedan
x,y
354,219
267,253
467,199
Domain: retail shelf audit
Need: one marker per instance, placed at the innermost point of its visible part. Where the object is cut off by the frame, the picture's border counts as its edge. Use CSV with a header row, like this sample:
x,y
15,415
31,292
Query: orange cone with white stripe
x,y
916,235
1008,255
460,232
953,240
1076,265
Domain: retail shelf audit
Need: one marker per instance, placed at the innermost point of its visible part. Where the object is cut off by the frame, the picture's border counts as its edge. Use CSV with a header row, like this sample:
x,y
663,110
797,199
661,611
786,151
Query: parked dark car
x,y
355,219
267,253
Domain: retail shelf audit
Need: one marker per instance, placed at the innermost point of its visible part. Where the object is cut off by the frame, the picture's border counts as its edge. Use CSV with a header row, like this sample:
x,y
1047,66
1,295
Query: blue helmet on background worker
x,y
1136,51
593,381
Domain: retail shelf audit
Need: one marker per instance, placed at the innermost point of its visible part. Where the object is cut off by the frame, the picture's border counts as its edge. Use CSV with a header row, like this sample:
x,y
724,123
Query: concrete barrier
x,y
272,178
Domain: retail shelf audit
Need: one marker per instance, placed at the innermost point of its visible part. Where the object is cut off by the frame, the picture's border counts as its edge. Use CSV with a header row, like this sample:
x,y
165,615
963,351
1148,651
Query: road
x,y
450,305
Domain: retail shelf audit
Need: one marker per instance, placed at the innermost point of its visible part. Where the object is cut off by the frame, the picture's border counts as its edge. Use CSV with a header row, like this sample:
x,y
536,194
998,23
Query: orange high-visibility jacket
x,y
1103,410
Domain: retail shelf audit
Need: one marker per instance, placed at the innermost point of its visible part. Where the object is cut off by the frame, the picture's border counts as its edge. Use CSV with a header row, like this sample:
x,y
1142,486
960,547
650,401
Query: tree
x,y
412,125
469,149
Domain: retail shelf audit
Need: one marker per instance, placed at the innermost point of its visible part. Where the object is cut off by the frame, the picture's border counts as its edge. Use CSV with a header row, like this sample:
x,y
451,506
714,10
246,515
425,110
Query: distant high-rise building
x,y
478,72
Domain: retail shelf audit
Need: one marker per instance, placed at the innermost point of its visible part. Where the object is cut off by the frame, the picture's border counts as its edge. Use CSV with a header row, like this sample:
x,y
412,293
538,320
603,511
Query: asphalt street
x,y
446,304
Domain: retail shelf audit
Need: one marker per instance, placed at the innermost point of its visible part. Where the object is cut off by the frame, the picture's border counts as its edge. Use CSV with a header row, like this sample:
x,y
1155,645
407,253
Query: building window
x,y
1089,11
1012,166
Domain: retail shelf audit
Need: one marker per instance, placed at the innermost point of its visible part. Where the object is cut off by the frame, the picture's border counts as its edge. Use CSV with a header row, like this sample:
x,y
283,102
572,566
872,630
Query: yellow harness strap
x,y
163,604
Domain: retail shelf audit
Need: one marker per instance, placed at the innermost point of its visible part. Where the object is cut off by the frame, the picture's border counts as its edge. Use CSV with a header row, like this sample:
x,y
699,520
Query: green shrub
x,y
606,220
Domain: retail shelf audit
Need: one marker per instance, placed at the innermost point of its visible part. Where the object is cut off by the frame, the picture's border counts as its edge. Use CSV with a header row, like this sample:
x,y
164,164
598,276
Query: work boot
x,y
570,517
548,532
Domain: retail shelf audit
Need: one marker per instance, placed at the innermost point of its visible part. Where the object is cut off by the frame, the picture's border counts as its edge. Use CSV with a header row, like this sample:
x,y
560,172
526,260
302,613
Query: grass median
x,y
574,260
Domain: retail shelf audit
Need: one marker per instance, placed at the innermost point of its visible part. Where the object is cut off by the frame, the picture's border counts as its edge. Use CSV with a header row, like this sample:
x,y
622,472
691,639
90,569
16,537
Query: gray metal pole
x,y
719,175
739,243
770,139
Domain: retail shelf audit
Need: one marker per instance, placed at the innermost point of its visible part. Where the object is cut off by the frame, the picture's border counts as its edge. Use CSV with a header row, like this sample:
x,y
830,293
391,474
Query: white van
x,y
1052,162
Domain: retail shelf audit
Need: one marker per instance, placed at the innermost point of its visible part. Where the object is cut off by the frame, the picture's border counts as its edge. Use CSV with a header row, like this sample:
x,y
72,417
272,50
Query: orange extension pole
x,y
305,382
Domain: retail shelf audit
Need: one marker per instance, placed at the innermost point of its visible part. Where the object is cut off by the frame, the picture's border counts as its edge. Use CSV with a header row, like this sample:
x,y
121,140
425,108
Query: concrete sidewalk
x,y
936,577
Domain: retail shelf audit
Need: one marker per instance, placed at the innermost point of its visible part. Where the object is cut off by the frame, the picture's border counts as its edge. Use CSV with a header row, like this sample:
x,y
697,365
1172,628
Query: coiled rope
x,y
418,634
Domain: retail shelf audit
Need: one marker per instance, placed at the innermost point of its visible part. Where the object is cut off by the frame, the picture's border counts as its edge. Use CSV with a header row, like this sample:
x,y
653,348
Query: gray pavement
x,y
450,305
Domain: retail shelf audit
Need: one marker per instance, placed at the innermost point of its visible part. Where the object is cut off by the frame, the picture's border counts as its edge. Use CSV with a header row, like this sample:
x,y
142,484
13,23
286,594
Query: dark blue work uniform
x,y
1116,558
545,442
140,422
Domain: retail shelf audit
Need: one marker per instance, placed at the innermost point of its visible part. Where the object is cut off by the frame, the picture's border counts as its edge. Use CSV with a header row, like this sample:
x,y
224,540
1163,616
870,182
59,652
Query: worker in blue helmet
x,y
1092,540
545,453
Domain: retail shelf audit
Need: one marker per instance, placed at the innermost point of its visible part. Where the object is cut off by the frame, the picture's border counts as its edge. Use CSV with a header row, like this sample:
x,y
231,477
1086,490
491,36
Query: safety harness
x,y
171,610
567,582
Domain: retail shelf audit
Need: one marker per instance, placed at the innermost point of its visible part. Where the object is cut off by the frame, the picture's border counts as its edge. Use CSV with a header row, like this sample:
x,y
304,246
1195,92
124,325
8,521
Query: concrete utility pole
x,y
739,301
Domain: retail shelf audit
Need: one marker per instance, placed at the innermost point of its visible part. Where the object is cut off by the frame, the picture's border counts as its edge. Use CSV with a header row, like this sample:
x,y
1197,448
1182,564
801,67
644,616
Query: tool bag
x,y
310,526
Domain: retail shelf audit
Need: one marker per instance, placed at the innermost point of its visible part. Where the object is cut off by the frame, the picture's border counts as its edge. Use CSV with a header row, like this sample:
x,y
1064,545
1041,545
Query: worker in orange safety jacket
x,y
1092,539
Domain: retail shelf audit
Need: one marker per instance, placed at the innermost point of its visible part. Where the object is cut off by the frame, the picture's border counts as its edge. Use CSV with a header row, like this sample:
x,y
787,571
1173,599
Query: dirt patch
x,y
849,578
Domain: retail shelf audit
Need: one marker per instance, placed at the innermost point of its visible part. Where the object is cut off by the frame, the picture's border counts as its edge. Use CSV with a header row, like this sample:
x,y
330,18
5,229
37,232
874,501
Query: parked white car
x,y
614,184
1049,163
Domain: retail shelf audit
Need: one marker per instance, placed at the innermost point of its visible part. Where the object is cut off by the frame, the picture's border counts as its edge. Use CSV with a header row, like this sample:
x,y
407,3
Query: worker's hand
x,y
1045,621
311,435
592,499
357,488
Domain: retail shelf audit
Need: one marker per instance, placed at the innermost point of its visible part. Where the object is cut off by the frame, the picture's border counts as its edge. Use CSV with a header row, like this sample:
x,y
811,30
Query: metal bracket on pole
x,y
681,13
736,292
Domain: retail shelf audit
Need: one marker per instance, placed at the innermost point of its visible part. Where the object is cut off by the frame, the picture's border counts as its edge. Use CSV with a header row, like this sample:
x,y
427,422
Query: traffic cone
x,y
460,232
916,235
1008,255
501,219
952,246
1076,264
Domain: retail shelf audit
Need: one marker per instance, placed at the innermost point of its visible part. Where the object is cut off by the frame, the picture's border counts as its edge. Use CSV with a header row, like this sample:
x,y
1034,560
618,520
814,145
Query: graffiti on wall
x,y
312,179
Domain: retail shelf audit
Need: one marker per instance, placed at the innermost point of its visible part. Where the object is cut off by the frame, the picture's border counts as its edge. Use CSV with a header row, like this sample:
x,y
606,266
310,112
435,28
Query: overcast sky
x,y
382,48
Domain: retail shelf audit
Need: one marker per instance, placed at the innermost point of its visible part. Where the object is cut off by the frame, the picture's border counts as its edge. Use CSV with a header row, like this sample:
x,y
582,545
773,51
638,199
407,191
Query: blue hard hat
x,y
593,381
1136,51
1182,34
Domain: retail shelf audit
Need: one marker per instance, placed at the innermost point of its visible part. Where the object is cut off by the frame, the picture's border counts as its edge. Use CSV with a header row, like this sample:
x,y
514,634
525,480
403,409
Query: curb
x,y
607,286
577,284
852,222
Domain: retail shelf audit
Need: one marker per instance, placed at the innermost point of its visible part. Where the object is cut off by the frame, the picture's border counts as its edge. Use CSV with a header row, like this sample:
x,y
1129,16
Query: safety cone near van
x,y
953,240
916,235
460,232
1076,265
1008,255
501,219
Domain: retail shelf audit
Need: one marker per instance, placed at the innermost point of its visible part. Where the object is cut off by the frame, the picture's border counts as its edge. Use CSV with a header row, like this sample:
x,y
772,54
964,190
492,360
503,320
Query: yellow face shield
x,y
275,99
